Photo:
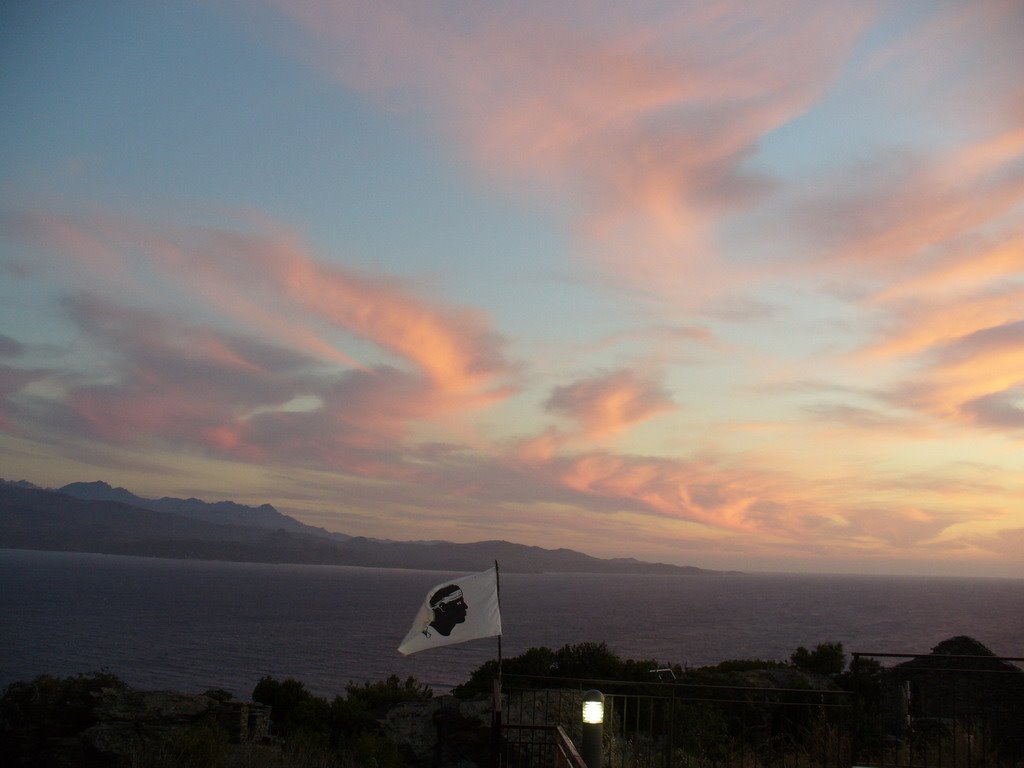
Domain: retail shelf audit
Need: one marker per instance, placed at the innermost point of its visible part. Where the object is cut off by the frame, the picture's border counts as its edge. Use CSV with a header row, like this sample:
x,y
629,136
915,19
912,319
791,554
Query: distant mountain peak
x,y
115,520
21,484
221,512
100,491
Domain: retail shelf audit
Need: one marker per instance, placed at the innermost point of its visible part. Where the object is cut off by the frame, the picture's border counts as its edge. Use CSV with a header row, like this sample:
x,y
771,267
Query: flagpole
x,y
496,719
497,589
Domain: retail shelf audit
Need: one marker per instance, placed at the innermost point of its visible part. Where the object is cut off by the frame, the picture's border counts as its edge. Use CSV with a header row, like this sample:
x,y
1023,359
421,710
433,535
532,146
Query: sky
x,y
737,285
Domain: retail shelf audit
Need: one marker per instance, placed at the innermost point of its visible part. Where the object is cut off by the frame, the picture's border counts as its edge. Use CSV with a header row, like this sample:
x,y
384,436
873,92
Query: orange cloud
x,y
972,377
937,243
453,347
180,385
774,508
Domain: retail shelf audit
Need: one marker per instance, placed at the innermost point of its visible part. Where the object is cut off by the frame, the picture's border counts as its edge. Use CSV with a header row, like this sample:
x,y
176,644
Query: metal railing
x,y
538,745
943,711
698,726
932,711
938,711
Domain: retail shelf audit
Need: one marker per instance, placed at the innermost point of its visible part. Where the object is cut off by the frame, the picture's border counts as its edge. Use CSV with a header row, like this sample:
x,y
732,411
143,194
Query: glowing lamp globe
x,y
593,707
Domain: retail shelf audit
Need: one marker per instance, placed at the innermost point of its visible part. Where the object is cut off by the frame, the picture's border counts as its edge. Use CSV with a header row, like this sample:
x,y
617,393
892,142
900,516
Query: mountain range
x,y
96,517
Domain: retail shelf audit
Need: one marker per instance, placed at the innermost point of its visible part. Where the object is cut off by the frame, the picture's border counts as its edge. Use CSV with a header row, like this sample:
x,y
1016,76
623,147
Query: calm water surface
x,y
195,625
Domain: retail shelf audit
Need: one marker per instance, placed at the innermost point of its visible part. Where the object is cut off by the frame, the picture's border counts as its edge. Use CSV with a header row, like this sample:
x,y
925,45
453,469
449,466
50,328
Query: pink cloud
x,y
769,507
174,381
270,279
938,242
976,378
701,491
646,118
454,347
179,385
899,525
175,384
607,404
903,210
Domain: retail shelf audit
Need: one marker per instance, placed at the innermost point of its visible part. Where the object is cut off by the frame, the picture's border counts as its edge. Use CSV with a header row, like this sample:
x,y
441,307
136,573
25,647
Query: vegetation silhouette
x,y
765,711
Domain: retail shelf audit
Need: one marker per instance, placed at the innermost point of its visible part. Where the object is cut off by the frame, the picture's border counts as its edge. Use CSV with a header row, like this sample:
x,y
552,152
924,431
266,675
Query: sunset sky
x,y
731,284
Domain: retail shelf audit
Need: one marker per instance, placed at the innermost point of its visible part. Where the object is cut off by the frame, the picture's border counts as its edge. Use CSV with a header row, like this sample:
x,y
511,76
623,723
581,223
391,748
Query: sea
x,y
193,625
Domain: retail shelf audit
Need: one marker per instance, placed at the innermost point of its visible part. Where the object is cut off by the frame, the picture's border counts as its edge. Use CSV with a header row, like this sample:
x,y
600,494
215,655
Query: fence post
x,y
496,725
593,728
669,762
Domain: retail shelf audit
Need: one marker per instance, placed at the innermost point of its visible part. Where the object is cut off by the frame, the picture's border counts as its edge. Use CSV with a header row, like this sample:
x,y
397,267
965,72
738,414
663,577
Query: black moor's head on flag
x,y
449,609
447,606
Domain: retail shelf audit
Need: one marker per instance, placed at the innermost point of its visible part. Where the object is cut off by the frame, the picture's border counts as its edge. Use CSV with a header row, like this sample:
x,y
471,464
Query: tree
x,y
825,659
589,660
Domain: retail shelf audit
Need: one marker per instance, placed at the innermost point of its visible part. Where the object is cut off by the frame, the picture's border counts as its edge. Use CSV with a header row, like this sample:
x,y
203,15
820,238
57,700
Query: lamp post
x,y
593,728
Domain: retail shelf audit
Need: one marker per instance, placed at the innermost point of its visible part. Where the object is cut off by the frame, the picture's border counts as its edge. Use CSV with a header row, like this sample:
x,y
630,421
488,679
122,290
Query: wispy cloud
x,y
269,279
645,119
609,403
204,384
787,240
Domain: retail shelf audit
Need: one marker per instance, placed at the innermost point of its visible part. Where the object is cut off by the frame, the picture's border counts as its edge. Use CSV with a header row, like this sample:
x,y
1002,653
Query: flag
x,y
464,608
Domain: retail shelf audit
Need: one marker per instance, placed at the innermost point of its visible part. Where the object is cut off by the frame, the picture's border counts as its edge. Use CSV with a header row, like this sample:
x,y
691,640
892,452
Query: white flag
x,y
464,608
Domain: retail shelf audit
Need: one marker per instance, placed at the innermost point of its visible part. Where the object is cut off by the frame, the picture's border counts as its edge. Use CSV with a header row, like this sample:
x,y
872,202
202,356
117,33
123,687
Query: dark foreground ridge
x,y
94,517
813,710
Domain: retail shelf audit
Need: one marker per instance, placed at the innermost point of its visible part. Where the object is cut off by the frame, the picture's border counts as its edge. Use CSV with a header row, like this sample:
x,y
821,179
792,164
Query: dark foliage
x,y
591,661
48,707
744,665
348,724
825,659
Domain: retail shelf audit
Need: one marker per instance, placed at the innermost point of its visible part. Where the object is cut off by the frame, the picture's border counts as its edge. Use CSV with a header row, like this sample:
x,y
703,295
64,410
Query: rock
x,y
463,739
411,727
113,738
150,706
442,732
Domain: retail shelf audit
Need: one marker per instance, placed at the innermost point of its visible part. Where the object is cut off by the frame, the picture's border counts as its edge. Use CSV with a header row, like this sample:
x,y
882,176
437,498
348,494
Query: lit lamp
x,y
593,728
